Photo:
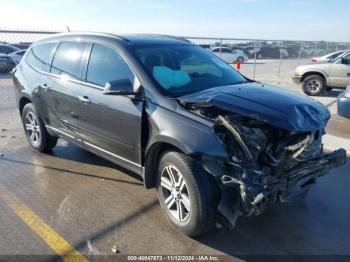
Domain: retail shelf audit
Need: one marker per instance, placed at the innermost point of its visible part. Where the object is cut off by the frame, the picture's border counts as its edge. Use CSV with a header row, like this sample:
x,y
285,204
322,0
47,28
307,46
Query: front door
x,y
109,123
339,72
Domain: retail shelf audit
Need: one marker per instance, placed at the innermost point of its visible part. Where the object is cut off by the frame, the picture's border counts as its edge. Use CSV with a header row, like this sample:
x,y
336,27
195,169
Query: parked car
x,y
312,51
230,56
6,63
317,78
293,51
8,49
269,52
327,58
22,45
215,144
343,101
17,56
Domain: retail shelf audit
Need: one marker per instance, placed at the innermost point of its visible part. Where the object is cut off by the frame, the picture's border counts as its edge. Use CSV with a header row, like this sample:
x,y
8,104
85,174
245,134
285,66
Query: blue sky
x,y
267,19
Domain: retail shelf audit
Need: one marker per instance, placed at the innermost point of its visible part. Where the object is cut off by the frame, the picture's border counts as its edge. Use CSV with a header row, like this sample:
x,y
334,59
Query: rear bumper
x,y
343,106
253,192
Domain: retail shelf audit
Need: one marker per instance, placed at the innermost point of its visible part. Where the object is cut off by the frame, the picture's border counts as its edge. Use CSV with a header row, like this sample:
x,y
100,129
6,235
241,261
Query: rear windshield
x,y
186,69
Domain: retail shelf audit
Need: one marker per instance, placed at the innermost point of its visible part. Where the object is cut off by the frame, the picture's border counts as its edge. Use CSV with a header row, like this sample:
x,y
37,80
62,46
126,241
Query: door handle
x,y
84,99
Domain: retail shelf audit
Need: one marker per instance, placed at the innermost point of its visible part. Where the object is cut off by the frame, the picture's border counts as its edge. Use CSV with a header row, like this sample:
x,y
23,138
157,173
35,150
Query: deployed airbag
x,y
169,78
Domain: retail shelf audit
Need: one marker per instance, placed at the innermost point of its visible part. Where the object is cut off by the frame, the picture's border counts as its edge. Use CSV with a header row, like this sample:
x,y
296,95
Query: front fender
x,y
307,73
185,133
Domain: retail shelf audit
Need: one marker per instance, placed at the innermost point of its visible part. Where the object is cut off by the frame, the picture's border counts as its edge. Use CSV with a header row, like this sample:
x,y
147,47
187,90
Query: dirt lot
x,y
96,206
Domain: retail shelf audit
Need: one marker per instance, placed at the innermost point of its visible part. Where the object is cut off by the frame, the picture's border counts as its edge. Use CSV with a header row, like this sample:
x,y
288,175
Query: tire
x,y
35,130
240,59
196,198
314,85
259,56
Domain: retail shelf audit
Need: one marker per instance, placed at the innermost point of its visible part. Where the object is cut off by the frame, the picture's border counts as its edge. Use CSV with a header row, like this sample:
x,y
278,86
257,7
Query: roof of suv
x,y
134,39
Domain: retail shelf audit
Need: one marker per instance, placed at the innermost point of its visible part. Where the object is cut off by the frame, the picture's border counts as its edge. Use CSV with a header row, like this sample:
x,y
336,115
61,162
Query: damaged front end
x,y
266,163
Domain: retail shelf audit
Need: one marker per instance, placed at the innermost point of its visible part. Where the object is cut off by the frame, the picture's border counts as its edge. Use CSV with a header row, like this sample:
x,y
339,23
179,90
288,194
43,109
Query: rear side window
x,y
68,59
39,56
226,50
105,64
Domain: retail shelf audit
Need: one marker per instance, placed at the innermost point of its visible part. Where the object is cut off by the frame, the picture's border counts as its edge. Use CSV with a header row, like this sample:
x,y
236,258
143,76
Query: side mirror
x,y
119,87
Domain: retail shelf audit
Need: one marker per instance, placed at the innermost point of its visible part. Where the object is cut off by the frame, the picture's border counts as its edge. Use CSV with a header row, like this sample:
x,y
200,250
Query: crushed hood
x,y
273,105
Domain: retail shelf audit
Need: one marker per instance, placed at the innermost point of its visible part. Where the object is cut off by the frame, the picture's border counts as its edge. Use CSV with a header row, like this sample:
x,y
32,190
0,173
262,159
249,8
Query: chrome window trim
x,y
67,78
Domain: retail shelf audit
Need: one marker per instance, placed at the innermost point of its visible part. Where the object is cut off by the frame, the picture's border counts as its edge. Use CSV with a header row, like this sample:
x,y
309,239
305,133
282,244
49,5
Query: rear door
x,y
338,72
66,85
110,123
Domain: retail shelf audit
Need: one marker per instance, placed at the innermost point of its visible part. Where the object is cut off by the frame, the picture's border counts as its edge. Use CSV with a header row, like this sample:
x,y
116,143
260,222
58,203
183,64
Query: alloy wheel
x,y
313,86
32,128
175,193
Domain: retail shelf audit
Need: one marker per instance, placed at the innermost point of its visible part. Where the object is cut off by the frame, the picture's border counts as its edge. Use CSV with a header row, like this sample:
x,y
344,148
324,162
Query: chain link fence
x,y
270,61
12,47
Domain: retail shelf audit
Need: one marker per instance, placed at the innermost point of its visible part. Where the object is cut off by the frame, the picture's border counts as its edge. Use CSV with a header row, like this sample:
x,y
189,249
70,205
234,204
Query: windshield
x,y
186,69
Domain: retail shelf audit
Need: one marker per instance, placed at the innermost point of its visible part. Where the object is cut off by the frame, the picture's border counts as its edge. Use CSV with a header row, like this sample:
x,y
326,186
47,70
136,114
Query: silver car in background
x,y
17,56
229,55
317,78
329,57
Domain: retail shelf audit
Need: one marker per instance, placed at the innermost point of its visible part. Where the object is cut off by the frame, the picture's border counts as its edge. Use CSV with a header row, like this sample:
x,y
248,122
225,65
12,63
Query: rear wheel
x,y
314,85
35,130
240,59
185,194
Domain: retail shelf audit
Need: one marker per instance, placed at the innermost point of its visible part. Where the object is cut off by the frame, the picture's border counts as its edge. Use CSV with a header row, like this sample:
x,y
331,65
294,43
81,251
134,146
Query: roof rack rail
x,y
170,36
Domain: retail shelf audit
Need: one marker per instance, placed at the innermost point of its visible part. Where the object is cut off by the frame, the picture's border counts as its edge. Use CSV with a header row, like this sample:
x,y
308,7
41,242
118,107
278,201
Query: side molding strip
x,y
93,146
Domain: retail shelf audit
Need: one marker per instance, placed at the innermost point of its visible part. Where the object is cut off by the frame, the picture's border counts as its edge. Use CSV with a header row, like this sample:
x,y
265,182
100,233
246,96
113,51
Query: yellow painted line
x,y
44,231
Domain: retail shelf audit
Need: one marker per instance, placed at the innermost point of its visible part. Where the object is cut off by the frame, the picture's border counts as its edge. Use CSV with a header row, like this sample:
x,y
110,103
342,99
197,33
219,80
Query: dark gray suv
x,y
215,144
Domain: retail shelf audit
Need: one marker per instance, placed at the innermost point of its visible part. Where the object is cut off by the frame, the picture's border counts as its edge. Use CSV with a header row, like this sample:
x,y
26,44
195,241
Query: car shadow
x,y
69,151
5,76
333,93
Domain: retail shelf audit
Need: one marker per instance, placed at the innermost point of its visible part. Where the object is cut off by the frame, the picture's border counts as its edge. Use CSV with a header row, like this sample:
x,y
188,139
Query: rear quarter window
x,y
39,56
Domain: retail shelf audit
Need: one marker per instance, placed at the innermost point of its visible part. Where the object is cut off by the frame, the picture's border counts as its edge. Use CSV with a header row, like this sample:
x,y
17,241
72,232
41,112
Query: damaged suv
x,y
215,144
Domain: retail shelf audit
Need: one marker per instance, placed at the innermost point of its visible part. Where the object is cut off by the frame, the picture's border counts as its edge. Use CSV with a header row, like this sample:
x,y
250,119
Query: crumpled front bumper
x,y
246,192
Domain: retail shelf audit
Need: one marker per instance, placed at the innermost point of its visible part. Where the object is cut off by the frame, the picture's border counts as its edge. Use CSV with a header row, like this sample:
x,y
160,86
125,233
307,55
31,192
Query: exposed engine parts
x,y
265,163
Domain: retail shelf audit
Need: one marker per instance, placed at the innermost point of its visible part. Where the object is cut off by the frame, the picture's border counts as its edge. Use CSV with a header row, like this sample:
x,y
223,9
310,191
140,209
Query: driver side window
x,y
105,65
346,59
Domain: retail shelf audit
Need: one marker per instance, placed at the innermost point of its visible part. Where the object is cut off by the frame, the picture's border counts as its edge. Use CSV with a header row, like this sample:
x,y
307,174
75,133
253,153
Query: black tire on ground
x,y
240,59
44,142
314,85
202,194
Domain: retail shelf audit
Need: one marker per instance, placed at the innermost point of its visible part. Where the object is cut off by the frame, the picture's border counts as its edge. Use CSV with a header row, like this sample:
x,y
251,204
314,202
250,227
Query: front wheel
x,y
185,194
314,85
